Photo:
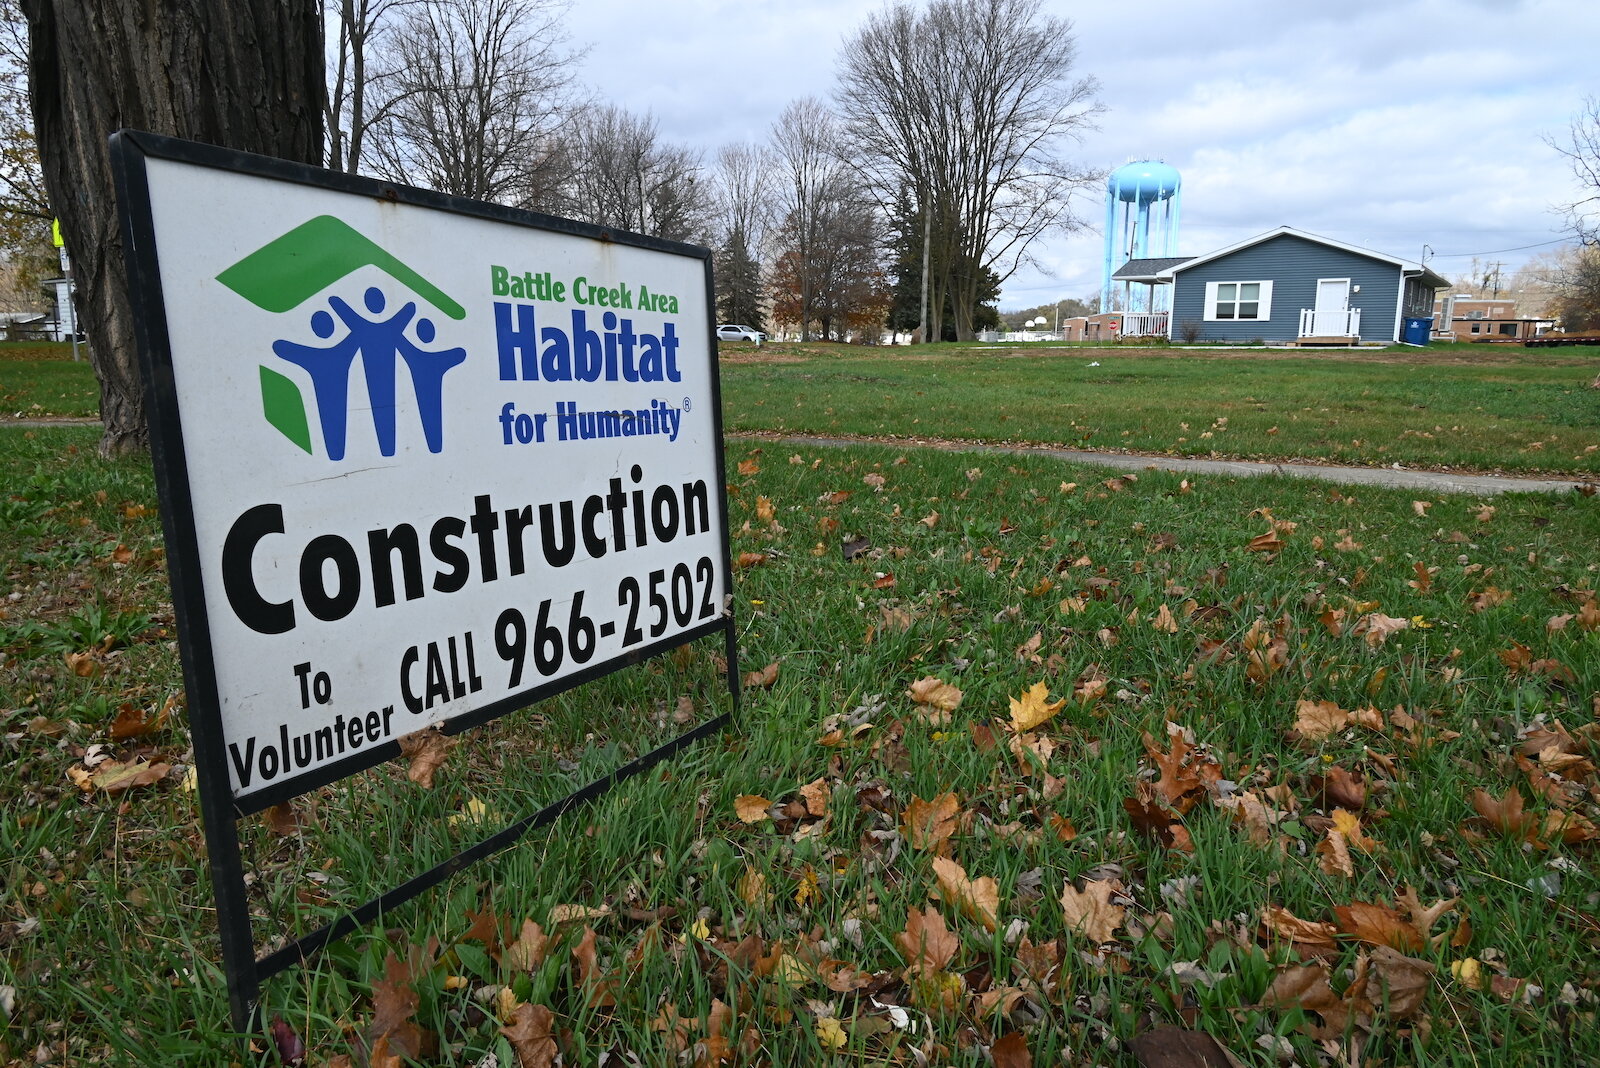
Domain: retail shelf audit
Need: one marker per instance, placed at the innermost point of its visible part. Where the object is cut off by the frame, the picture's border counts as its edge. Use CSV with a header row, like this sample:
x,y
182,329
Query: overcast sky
x,y
1388,124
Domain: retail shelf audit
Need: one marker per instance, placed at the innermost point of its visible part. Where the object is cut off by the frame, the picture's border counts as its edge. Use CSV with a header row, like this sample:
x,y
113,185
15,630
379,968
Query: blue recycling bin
x,y
1417,330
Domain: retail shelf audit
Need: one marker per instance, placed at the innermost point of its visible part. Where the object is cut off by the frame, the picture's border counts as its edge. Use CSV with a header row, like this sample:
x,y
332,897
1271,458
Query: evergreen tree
x,y
738,282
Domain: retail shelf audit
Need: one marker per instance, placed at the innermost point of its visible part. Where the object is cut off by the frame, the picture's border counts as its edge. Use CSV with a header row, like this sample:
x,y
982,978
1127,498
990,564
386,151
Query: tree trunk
x,y
244,74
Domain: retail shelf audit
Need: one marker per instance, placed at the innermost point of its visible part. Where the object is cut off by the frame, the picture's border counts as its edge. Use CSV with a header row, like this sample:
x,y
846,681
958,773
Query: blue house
x,y
1288,286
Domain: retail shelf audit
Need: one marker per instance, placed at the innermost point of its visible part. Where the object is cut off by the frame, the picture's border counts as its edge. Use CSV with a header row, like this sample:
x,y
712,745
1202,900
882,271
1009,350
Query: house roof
x,y
1150,269
1407,267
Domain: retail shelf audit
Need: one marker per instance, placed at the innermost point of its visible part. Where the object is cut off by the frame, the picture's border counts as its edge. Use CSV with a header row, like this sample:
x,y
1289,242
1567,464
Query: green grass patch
x,y
675,925
40,379
1520,412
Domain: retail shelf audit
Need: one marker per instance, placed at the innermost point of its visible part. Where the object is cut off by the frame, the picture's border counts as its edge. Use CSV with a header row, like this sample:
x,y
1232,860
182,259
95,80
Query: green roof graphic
x,y
292,269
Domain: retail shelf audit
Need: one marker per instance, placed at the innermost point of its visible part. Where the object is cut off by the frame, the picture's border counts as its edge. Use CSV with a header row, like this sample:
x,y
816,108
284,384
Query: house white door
x,y
1331,317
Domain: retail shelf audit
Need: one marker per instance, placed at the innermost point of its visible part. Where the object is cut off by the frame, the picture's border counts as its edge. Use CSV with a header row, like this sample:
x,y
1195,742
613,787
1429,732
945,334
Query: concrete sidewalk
x,y
1391,477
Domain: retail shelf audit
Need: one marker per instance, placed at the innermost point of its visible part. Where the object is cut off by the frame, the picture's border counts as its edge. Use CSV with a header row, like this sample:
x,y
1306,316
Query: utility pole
x,y
1496,265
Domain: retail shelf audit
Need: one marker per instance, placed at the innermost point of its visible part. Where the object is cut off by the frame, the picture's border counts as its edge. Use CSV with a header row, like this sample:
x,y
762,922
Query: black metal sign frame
x,y
220,811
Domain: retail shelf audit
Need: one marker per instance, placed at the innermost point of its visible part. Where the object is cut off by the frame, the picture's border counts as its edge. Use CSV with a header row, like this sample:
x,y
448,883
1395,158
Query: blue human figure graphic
x,y
378,340
427,379
329,369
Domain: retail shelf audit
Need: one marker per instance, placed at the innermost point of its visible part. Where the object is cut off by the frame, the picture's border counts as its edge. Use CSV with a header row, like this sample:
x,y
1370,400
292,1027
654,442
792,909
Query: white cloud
x,y
1385,123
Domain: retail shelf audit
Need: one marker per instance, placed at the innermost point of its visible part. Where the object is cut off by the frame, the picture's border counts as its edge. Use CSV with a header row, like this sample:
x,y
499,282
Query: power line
x,y
1497,251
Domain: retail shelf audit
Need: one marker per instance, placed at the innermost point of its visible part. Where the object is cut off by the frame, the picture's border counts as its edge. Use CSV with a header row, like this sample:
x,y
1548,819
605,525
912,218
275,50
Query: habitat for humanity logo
x,y
285,273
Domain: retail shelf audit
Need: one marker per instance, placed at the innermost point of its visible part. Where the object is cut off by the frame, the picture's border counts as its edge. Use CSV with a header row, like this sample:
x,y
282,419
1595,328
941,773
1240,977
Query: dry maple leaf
x,y
926,944
1402,982
1152,818
750,467
928,823
114,777
1339,789
1378,925
935,693
1487,598
282,820
1033,707
1377,627
1180,784
560,914
135,722
749,560
1163,621
586,968
528,952
1286,924
763,679
1268,654
1335,853
394,1002
752,887
978,899
1505,814
1090,912
427,750
752,808
1423,917
815,796
1011,1051
1424,580
1266,543
1348,824
531,1033
1315,720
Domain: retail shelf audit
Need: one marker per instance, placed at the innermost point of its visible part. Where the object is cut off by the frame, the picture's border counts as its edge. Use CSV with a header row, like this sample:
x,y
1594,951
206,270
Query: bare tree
x,y
812,182
970,104
246,74
744,179
625,176
1582,150
480,90
362,72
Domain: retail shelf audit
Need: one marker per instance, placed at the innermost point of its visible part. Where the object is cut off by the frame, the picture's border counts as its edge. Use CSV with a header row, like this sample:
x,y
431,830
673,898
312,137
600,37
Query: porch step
x,y
1304,342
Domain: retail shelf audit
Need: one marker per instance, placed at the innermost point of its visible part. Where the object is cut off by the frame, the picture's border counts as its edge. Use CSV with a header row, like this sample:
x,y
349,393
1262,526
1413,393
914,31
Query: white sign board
x,y
437,463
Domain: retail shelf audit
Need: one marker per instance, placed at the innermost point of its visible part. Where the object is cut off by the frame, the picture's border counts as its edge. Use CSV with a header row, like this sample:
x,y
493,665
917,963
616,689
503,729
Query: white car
x,y
727,332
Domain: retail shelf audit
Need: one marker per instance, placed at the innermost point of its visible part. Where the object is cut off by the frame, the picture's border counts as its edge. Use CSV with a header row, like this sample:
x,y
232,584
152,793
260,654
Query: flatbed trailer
x,y
1584,337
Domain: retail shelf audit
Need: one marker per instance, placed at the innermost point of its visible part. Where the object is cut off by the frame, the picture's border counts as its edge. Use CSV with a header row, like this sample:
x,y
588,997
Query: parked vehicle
x,y
729,332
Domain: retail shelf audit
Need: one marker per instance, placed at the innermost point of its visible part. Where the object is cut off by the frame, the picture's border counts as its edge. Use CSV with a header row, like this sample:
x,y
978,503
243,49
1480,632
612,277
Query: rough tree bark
x,y
245,74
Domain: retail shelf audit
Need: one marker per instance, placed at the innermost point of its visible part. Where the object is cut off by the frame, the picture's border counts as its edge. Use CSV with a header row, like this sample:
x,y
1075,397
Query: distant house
x,y
1290,287
1459,318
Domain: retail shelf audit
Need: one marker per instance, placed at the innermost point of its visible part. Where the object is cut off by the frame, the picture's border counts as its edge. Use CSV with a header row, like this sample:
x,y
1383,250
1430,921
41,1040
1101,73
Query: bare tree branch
x,y
970,105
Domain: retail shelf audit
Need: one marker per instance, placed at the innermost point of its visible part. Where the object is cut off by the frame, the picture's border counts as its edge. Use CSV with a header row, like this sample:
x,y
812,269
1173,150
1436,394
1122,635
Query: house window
x,y
1476,328
1508,329
1236,301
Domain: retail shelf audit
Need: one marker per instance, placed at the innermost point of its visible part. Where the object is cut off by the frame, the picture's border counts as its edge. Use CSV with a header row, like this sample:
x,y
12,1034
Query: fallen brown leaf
x,y
427,750
977,899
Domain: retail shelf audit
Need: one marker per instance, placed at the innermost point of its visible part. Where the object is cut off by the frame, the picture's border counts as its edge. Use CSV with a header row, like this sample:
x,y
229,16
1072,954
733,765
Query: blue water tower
x,y
1142,206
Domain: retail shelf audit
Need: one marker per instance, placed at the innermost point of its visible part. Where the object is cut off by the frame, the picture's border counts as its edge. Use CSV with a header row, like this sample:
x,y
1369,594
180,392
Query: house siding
x,y
1293,264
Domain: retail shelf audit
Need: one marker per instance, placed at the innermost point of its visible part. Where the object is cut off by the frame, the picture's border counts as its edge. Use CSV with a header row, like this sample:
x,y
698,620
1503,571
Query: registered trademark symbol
x,y
686,405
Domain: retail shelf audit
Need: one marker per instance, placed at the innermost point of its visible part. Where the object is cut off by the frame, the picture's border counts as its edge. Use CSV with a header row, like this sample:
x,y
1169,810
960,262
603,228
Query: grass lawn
x,y
1308,772
1462,407
40,379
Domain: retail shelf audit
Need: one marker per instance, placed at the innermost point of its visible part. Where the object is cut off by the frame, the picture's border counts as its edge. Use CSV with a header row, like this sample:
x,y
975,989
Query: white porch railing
x,y
1144,325
1315,323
